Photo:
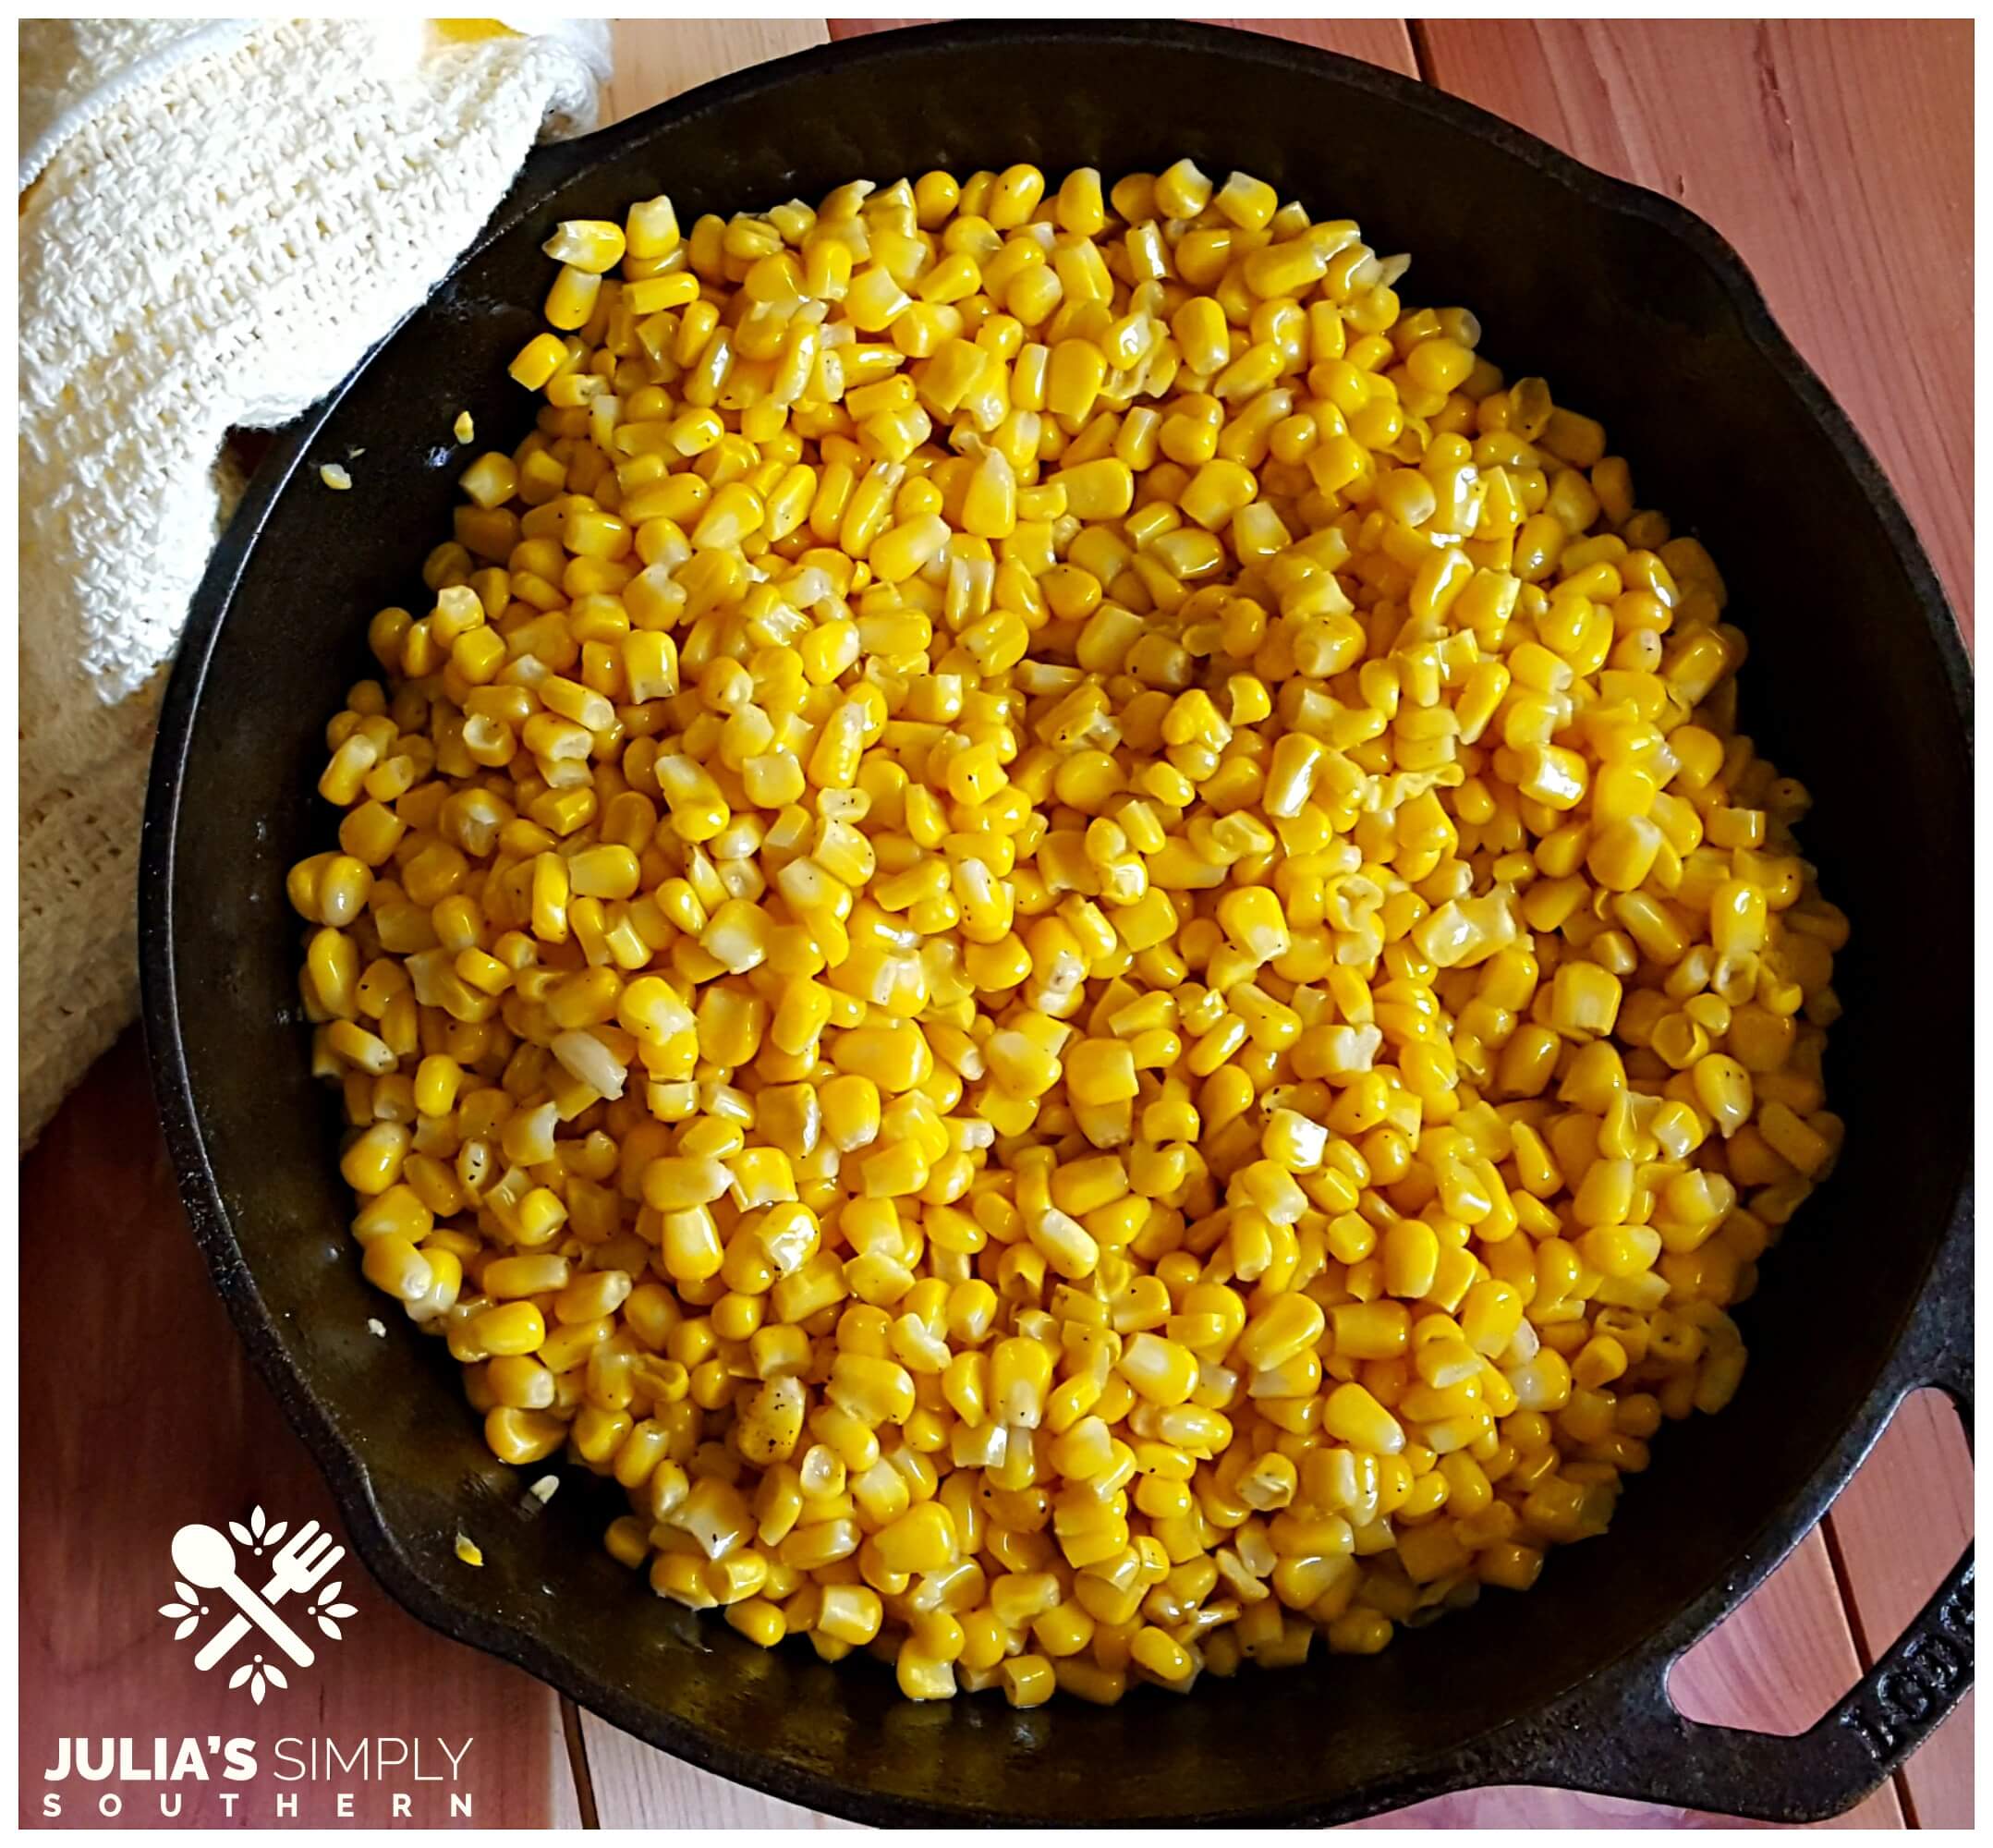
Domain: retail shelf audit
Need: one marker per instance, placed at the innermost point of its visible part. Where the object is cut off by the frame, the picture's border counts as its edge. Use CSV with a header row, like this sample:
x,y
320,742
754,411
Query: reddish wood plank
x,y
147,1418
858,28
574,1802
565,1811
638,1787
1528,1807
1938,1783
657,58
1897,1531
1835,155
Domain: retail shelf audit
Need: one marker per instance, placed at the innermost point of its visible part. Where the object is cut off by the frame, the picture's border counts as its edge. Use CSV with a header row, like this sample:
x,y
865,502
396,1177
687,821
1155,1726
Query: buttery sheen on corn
x,y
1058,928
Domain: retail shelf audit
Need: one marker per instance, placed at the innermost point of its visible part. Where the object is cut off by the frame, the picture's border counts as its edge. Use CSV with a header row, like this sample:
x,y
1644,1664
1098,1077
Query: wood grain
x,y
573,1800
1830,153
638,1787
657,58
858,29
1897,1529
145,1416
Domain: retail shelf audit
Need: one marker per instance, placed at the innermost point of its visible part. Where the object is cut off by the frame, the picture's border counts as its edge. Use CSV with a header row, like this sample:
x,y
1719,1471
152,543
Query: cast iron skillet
x,y
1637,311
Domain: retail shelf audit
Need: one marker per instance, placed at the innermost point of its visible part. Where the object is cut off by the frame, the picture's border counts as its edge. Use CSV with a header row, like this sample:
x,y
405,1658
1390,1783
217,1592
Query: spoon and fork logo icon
x,y
206,1561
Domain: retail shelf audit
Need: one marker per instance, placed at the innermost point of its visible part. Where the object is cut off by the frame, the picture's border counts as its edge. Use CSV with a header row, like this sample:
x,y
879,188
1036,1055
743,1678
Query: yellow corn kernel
x,y
1353,1416
1077,371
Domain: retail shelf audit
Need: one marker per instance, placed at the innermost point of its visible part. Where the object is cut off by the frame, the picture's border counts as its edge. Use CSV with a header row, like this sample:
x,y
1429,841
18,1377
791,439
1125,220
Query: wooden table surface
x,y
1836,156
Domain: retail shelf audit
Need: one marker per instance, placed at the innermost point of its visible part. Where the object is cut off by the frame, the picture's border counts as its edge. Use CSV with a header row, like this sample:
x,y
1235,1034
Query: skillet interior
x,y
1633,313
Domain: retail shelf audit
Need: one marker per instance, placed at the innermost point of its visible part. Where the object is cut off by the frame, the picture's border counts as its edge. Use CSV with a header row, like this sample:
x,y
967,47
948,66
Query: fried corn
x,y
1057,925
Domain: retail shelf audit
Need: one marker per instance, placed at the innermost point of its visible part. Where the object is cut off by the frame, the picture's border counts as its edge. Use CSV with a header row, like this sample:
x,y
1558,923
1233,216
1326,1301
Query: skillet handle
x,y
1660,1756
1646,1750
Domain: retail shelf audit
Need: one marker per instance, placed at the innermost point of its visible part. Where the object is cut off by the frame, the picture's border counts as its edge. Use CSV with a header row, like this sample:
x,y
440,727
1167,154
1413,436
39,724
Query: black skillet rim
x,y
1474,1762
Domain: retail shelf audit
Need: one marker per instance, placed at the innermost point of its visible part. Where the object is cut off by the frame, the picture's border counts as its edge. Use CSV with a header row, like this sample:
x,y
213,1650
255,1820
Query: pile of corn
x,y
1057,929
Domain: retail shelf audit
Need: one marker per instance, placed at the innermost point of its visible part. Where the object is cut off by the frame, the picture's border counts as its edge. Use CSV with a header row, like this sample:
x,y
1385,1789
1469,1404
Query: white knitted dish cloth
x,y
224,215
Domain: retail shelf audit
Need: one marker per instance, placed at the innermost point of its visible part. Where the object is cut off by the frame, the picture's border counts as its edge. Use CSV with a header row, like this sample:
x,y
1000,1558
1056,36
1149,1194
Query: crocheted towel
x,y
224,214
